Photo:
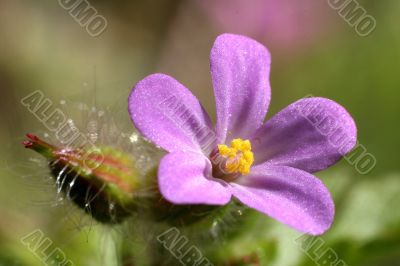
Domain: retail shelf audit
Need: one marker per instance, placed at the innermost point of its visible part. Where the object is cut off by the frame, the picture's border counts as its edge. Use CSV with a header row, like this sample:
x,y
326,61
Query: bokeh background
x,y
314,51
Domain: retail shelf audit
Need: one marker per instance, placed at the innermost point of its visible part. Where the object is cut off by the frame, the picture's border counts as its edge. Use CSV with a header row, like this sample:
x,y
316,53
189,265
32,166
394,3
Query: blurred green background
x,y
314,51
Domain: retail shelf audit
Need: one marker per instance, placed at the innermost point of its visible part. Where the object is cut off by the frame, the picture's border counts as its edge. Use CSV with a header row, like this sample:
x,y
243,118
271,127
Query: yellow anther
x,y
245,169
226,151
246,146
248,156
223,149
237,144
239,155
232,167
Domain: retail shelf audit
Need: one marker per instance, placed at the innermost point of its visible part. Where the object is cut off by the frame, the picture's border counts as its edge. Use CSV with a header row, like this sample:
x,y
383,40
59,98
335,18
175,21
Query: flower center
x,y
230,162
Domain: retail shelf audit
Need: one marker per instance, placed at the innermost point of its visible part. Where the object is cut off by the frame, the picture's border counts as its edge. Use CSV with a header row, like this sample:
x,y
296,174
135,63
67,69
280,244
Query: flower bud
x,y
100,180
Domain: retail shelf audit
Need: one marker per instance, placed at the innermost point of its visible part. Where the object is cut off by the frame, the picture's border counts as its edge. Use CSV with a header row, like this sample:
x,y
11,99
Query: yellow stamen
x,y
239,155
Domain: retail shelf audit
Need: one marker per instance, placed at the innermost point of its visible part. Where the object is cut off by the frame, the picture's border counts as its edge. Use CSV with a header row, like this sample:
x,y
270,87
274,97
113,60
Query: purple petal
x,y
240,74
291,196
184,178
168,114
310,134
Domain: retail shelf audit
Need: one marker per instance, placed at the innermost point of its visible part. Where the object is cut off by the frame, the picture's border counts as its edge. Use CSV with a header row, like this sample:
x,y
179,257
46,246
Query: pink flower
x,y
267,166
282,23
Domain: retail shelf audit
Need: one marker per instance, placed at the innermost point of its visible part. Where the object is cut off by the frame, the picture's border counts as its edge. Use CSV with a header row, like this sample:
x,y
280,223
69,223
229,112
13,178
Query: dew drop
x,y
134,138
